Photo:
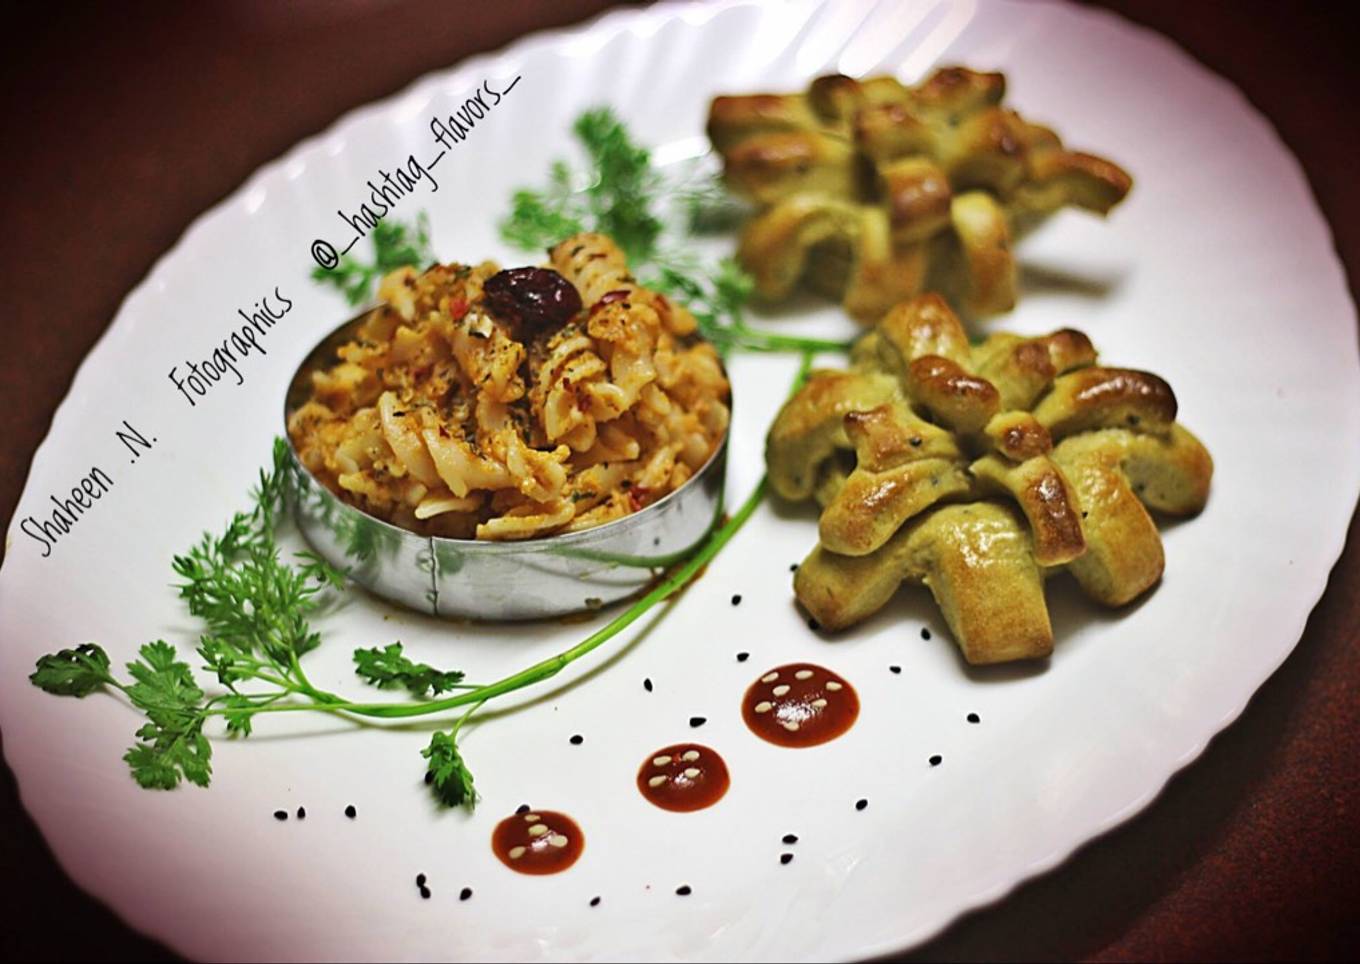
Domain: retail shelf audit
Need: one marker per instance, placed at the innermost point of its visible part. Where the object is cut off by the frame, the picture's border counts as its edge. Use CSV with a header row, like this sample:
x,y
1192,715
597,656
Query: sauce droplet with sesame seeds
x,y
537,842
800,704
683,777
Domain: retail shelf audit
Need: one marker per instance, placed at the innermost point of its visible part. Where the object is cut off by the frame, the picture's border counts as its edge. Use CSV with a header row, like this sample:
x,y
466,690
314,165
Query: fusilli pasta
x,y
457,413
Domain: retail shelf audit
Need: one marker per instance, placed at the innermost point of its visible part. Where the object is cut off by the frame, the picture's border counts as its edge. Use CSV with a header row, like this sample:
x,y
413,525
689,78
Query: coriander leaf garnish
x,y
395,245
73,672
164,757
388,668
164,687
237,713
450,779
650,216
172,745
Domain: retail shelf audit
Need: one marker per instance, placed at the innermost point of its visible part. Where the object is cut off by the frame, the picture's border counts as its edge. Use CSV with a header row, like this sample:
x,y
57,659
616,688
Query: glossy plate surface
x,y
1217,273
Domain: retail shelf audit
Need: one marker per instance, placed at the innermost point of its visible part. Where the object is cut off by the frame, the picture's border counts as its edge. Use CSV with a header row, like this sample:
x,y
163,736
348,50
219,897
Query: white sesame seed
x,y
538,830
803,674
780,690
532,818
764,707
692,772
657,781
819,703
791,726
769,677
660,761
557,840
832,685
517,852
689,756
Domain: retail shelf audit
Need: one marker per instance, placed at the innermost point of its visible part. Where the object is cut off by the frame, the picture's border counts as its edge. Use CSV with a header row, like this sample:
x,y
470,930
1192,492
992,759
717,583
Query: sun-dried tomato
x,y
531,299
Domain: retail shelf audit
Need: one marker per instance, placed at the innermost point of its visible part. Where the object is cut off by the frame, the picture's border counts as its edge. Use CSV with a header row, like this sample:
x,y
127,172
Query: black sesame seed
x,y
814,625
793,568
895,669
861,803
736,599
936,760
425,892
594,902
698,720
522,808
280,814
351,812
647,684
683,890
429,777
577,739
743,657
465,893
925,633
790,838
302,813
420,880
786,858
916,441
974,718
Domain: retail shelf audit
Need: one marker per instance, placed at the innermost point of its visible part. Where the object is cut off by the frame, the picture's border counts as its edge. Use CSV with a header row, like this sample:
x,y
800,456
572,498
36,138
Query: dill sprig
x,y
395,245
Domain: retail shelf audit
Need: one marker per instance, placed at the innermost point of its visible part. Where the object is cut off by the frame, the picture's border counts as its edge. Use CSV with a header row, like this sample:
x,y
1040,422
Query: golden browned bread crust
x,y
935,462
872,191
976,561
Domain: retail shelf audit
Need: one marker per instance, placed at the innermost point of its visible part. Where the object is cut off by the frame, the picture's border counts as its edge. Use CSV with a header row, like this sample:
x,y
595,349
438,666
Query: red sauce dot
x,y
800,704
683,777
538,842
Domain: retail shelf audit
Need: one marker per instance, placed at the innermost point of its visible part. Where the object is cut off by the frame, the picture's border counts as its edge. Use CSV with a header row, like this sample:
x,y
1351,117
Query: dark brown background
x,y
124,122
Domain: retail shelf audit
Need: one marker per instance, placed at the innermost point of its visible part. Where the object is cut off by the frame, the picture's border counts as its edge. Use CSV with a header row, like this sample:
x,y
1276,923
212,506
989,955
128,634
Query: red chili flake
x,y
458,307
639,496
608,298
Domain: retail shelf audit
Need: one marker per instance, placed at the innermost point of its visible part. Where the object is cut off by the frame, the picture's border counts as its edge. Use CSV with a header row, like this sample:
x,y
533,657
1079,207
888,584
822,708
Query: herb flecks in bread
x,y
977,470
871,191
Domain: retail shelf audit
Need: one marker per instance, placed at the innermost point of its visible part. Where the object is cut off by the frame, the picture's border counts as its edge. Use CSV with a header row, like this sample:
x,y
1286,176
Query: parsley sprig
x,y
621,194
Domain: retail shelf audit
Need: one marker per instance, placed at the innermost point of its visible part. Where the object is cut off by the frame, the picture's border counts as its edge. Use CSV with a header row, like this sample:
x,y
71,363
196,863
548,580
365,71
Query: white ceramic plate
x,y
1217,273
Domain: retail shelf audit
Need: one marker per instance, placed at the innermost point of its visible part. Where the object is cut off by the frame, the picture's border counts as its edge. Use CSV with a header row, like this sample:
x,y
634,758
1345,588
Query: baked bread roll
x,y
871,191
977,470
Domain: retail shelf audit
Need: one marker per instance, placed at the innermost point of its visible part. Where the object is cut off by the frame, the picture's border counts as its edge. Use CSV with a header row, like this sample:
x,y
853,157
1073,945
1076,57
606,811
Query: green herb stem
x,y
553,665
